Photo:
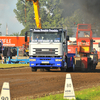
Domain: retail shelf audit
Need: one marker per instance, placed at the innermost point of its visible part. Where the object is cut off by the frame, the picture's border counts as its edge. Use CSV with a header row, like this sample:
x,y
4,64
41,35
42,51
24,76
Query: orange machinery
x,y
85,58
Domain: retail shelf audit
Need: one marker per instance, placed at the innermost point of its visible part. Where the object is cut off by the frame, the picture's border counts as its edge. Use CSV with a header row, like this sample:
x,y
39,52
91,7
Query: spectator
x,y
9,52
86,34
14,52
58,37
5,54
37,37
94,51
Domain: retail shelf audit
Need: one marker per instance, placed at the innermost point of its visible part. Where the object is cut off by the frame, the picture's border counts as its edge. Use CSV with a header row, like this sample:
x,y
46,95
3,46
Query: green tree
x,y
51,13
21,17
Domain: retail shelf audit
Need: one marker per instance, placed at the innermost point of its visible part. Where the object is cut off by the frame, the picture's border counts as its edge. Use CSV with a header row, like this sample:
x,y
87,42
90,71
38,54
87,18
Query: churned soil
x,y
27,84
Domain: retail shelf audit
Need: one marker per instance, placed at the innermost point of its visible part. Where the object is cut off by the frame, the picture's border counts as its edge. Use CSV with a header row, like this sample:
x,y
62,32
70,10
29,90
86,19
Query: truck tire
x,y
63,69
42,69
94,66
83,67
34,69
89,68
48,69
0,57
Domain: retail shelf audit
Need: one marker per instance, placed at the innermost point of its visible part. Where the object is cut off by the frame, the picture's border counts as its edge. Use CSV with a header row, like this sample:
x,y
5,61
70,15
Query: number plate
x,y
45,62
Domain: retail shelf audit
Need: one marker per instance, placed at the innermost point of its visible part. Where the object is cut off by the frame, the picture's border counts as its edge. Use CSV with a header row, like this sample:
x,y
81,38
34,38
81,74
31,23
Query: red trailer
x,y
13,41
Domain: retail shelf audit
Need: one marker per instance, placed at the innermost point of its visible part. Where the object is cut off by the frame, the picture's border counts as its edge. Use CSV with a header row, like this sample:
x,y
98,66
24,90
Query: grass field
x,y
86,94
13,65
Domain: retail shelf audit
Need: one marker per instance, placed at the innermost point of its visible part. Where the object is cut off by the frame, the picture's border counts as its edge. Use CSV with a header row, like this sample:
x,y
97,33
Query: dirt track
x,y
24,83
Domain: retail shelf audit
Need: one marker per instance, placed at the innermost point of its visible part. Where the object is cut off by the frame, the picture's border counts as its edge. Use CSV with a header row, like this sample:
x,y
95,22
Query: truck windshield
x,y
46,37
83,33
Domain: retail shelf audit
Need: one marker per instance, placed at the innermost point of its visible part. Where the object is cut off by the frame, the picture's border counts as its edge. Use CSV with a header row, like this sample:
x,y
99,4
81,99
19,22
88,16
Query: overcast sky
x,y
7,16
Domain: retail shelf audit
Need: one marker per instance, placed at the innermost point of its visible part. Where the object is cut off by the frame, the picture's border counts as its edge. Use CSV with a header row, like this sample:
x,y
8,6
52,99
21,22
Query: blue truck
x,y
48,49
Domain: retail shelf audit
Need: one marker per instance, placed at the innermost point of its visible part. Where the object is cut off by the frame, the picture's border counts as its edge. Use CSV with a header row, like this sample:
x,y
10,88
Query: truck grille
x,y
45,51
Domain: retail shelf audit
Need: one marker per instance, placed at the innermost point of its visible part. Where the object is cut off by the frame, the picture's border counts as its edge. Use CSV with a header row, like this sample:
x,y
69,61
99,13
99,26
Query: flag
x,y
6,29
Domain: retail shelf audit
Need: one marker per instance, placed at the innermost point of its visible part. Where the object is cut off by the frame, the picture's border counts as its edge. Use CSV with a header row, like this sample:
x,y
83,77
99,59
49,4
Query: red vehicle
x,y
85,58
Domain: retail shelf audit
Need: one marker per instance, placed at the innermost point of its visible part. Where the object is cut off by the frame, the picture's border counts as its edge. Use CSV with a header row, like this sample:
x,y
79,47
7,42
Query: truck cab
x,y
47,49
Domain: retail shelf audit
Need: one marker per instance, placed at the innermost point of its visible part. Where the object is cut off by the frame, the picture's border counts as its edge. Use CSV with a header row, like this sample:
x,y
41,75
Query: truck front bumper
x,y
46,62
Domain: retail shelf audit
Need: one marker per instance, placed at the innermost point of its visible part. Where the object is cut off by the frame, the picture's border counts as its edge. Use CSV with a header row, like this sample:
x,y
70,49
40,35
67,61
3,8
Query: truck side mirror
x,y
67,38
25,36
63,42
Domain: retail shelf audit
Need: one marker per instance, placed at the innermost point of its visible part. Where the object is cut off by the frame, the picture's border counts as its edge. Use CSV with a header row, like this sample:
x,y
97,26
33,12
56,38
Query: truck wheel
x,y
48,69
63,69
94,66
34,69
89,67
0,57
42,69
83,67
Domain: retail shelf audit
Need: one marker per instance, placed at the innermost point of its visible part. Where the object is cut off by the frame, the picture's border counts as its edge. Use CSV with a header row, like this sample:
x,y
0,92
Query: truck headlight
x,y
58,59
32,59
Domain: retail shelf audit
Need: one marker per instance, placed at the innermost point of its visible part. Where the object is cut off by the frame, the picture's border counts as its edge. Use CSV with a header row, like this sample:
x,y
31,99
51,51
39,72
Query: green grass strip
x,y
86,94
13,65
